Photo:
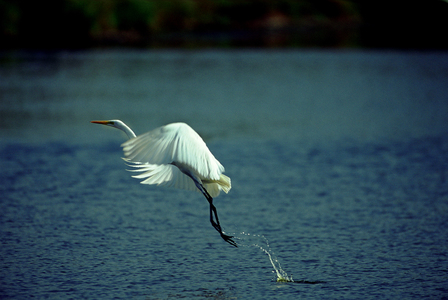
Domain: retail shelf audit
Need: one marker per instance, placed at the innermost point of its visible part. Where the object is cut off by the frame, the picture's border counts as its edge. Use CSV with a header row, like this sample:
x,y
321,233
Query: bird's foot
x,y
229,240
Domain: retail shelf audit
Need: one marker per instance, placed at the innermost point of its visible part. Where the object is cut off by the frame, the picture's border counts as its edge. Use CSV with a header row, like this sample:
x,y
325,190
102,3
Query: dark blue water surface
x,y
338,160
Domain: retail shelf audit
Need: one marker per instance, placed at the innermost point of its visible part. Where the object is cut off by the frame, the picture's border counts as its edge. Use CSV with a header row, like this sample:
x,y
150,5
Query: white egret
x,y
175,155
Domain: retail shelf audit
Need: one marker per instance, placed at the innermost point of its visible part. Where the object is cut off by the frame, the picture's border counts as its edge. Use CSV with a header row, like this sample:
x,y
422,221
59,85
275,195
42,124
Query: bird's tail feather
x,y
213,187
224,182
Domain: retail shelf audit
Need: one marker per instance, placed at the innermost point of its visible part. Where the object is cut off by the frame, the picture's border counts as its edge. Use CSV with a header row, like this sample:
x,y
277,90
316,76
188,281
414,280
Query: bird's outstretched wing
x,y
162,175
174,143
171,176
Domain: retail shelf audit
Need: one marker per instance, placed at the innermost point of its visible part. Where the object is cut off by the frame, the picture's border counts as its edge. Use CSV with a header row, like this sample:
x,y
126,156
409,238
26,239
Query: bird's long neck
x,y
127,130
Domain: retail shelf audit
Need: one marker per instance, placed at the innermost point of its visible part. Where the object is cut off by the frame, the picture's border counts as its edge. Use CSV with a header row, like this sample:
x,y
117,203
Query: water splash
x,y
282,276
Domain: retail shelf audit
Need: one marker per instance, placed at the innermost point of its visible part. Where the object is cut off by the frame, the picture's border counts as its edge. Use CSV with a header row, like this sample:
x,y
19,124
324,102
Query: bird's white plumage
x,y
176,142
163,175
175,155
165,154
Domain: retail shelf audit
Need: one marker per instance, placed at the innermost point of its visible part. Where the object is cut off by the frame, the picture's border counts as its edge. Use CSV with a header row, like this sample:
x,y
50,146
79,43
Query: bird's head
x,y
117,124
111,123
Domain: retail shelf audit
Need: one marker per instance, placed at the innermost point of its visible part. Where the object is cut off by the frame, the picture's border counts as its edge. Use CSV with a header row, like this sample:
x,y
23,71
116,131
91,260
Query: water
x,y
338,160
262,243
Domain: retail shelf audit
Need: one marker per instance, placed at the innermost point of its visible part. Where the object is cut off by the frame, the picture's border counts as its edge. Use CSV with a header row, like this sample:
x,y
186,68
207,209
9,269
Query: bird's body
x,y
170,155
174,155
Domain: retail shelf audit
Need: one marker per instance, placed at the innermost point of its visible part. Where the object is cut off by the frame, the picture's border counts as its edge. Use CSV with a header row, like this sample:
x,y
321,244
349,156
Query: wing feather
x,y
178,143
162,175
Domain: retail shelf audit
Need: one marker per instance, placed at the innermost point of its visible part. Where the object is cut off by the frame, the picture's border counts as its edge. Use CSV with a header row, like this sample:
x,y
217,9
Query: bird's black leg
x,y
214,213
216,224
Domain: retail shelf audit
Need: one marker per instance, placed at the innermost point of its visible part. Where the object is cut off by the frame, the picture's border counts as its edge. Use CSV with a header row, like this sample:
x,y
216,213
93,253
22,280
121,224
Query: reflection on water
x,y
317,94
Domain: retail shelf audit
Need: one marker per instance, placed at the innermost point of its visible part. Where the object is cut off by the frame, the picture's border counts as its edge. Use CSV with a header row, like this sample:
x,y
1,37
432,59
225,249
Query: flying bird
x,y
174,155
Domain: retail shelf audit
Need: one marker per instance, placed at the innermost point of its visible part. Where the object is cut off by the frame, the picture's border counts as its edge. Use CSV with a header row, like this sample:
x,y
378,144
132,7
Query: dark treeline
x,y
223,23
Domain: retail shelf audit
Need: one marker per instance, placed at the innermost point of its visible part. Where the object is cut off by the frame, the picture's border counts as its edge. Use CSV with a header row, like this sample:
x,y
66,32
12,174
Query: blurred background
x,y
330,117
223,23
318,68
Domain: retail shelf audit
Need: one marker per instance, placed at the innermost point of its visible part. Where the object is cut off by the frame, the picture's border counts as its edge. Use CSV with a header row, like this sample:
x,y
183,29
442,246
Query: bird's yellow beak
x,y
101,122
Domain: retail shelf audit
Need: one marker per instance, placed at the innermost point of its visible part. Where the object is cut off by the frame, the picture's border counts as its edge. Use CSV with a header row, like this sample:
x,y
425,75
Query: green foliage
x,y
9,18
81,23
135,15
